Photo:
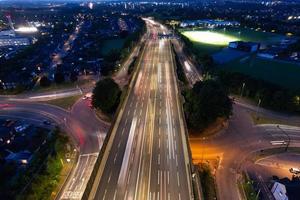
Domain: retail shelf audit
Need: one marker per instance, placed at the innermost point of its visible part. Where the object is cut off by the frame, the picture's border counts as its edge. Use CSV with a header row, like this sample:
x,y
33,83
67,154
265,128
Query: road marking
x,y
158,159
115,158
126,156
128,179
115,194
158,177
178,182
158,143
168,175
109,178
104,194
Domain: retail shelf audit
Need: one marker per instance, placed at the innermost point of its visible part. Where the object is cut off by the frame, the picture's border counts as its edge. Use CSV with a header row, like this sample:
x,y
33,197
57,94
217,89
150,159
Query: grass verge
x,y
272,151
247,188
212,129
65,103
257,119
208,182
54,86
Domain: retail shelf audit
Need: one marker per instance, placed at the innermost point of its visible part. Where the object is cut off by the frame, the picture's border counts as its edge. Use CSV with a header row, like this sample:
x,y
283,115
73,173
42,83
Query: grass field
x,y
285,74
274,71
213,40
65,103
109,45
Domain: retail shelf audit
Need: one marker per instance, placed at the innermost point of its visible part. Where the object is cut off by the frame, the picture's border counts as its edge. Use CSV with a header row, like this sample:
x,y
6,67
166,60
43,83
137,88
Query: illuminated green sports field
x,y
208,37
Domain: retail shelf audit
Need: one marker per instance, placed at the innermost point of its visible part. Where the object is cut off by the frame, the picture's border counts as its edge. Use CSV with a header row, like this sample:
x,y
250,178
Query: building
x,y
6,41
279,191
209,23
244,46
22,157
7,33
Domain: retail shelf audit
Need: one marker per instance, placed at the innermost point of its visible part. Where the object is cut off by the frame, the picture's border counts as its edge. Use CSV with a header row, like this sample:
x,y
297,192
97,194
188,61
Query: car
x,y
294,170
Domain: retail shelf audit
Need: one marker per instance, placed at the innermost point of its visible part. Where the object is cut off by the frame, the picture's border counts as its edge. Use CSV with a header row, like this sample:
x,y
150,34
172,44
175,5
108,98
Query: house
x,y
244,46
21,157
279,191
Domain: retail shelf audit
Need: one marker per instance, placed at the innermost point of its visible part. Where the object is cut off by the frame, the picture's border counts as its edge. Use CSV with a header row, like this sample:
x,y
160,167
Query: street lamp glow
x,y
26,29
209,37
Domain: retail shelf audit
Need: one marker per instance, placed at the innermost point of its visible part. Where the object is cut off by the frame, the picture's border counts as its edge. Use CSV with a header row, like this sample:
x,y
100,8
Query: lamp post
x,y
243,86
289,139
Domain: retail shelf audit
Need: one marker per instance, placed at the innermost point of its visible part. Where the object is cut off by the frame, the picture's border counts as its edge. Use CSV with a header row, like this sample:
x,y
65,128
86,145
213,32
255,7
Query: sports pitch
x,y
208,37
208,41
285,74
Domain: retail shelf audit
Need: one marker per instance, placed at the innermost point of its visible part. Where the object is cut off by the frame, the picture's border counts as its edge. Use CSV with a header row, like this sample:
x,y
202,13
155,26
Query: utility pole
x,y
289,139
243,86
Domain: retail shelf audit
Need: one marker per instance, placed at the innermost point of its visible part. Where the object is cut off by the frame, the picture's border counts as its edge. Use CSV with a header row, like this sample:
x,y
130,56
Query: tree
x,y
113,56
73,76
107,68
45,82
207,101
59,77
106,95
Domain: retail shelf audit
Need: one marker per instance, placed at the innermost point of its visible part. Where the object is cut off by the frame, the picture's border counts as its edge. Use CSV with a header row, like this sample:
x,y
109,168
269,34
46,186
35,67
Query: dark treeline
x,y
272,96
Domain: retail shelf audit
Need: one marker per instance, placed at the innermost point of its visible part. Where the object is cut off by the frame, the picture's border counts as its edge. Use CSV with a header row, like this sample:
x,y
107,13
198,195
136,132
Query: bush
x,y
106,95
205,102
59,77
45,82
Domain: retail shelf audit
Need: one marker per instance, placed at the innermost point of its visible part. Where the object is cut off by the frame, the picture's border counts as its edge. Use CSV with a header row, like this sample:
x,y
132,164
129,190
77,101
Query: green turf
x,y
239,33
278,72
109,45
285,74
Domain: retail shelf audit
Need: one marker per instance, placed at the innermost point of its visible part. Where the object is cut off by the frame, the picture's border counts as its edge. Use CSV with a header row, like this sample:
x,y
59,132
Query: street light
x,y
258,104
289,139
243,86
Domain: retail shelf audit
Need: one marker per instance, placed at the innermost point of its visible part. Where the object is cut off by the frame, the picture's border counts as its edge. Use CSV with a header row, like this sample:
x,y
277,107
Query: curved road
x,y
84,128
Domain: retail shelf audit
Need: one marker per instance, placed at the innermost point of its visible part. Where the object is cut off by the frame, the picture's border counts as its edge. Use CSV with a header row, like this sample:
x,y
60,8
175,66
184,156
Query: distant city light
x,y
26,29
90,5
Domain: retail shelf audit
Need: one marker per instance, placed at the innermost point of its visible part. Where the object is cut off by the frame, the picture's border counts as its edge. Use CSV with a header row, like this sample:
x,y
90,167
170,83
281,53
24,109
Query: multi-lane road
x,y
148,156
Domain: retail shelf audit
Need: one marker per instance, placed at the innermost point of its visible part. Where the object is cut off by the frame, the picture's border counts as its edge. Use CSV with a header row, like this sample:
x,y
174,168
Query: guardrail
x,y
94,173
191,166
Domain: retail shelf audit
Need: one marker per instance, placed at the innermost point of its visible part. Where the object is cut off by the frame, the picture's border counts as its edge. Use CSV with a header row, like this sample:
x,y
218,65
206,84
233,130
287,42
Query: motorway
x,y
190,70
148,156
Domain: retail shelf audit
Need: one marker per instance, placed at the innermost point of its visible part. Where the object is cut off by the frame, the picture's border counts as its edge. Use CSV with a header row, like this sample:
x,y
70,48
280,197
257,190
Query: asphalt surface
x,y
80,123
233,146
148,158
45,96
189,67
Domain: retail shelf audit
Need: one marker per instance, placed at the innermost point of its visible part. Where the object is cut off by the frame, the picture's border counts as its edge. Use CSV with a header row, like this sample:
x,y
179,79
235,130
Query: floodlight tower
x,y
8,16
